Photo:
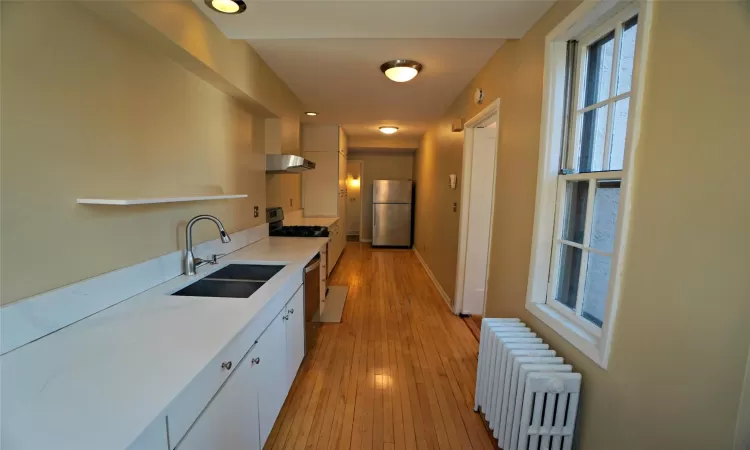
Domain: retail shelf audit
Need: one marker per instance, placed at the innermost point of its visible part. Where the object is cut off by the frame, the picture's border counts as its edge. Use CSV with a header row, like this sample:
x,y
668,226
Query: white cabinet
x,y
242,412
335,245
272,386
320,185
295,336
230,421
324,188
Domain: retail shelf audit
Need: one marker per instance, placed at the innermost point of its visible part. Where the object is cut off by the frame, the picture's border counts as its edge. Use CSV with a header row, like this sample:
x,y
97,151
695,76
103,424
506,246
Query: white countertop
x,y
311,221
98,383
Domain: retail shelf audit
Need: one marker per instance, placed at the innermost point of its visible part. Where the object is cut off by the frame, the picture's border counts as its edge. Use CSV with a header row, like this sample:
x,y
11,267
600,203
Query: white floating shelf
x,y
153,200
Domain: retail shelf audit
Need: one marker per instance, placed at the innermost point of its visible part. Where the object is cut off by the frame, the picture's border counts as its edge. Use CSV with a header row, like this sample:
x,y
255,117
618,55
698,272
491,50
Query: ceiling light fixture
x,y
227,6
388,130
401,70
311,113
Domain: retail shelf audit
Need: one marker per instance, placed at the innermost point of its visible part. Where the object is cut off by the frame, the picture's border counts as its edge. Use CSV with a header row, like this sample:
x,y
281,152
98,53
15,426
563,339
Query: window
x,y
586,145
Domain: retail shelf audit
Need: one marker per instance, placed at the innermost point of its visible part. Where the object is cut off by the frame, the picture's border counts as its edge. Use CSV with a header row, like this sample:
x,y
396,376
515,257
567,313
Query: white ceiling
x,y
329,52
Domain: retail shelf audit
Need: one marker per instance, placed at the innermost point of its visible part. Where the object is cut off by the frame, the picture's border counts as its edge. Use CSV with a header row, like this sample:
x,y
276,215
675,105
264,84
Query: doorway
x,y
354,172
481,137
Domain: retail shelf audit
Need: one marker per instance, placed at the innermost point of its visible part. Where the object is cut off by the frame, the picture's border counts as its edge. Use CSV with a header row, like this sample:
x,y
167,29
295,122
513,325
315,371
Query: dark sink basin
x,y
220,288
249,272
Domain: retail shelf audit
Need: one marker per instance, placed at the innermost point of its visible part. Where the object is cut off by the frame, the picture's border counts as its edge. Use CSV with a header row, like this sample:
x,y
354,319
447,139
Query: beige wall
x,y
397,142
89,110
353,197
379,165
681,340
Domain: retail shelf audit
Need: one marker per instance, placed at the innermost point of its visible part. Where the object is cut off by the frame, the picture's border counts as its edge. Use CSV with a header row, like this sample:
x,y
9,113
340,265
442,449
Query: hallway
x,y
398,372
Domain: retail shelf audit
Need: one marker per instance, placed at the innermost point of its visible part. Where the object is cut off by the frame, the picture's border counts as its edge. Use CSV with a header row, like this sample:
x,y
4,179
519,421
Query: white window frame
x,y
587,23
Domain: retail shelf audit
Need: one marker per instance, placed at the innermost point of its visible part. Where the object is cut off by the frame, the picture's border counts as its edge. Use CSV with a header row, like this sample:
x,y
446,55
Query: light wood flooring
x,y
397,373
474,323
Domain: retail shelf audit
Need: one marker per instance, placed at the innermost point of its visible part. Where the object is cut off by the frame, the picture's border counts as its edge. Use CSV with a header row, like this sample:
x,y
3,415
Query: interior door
x,y
230,421
480,220
391,224
295,336
272,389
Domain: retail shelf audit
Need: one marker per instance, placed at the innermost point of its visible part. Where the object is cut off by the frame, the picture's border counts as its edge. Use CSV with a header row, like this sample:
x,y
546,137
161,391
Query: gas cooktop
x,y
299,231
275,218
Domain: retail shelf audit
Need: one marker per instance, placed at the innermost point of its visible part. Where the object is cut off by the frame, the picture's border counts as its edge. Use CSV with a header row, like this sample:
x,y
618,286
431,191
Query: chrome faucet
x,y
190,260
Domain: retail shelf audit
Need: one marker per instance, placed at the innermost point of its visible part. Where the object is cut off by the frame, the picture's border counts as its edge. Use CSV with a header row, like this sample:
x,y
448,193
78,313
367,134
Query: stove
x,y
275,218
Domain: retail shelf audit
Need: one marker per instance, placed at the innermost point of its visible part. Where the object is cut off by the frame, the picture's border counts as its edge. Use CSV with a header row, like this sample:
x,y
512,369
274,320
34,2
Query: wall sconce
x,y
353,182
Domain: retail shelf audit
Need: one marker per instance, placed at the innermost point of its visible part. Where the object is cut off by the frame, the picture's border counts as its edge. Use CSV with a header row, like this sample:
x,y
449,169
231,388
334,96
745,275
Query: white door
x,y
272,387
295,335
480,219
230,421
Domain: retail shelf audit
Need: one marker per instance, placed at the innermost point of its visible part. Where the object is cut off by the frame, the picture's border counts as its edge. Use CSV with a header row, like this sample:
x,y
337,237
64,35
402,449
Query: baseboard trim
x,y
434,280
366,241
32,318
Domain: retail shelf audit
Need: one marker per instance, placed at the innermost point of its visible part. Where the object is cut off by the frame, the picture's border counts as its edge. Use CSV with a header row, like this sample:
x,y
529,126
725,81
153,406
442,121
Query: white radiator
x,y
528,395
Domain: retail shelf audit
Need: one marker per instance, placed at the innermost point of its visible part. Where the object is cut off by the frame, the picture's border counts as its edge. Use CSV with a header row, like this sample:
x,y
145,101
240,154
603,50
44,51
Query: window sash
x,y
558,242
572,158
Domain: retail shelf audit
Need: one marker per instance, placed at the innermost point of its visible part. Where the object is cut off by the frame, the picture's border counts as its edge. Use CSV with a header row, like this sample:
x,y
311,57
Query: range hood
x,y
287,164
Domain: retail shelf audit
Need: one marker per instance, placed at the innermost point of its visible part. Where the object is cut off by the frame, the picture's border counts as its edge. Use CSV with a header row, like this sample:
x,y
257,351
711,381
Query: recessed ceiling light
x,y
388,130
227,6
401,70
311,113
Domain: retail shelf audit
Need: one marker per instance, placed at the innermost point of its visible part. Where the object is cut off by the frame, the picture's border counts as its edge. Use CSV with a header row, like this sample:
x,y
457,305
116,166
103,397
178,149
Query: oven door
x,y
312,302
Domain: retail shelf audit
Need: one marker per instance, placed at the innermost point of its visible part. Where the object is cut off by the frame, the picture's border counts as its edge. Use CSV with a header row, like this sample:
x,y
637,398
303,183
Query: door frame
x,y
361,184
490,114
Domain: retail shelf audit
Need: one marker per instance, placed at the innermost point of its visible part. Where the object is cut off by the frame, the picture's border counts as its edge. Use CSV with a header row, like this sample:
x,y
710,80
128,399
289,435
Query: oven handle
x,y
313,265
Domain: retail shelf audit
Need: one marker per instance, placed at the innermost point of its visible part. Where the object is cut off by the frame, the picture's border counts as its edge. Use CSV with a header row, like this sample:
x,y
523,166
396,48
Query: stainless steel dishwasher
x,y
312,302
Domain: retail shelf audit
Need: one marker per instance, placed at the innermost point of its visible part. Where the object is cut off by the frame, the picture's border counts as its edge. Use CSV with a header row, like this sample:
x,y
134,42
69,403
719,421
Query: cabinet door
x,y
295,336
230,421
272,388
320,191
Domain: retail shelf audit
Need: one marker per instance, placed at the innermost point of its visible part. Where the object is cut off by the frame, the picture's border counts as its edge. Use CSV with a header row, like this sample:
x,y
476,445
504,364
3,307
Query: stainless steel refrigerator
x,y
391,213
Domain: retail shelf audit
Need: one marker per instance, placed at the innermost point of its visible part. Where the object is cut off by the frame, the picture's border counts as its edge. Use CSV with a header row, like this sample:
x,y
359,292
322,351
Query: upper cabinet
x,y
323,138
324,188
343,142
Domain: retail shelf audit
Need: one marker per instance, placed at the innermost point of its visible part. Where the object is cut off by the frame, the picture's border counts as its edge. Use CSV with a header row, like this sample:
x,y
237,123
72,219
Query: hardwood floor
x,y
397,373
474,323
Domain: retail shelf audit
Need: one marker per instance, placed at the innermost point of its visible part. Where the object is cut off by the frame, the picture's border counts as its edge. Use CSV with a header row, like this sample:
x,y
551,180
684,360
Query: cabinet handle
x,y
256,360
291,311
285,317
227,365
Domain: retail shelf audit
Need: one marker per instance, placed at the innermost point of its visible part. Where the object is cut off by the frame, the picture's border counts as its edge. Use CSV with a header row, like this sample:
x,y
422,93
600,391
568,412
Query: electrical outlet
x,y
256,211
455,206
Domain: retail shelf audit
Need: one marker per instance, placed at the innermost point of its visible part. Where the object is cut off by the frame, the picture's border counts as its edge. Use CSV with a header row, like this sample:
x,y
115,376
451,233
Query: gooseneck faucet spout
x,y
189,262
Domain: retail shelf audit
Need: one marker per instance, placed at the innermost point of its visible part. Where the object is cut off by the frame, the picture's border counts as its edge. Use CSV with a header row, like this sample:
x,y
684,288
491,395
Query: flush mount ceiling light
x,y
227,6
401,70
311,113
388,130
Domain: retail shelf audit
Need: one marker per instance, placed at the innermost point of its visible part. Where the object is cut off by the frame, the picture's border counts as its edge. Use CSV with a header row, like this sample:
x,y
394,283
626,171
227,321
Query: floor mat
x,y
335,301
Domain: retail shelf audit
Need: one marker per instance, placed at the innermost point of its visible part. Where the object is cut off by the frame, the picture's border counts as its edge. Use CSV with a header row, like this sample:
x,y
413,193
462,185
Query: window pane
x,y
619,131
574,214
591,141
599,69
570,269
627,55
597,285
604,220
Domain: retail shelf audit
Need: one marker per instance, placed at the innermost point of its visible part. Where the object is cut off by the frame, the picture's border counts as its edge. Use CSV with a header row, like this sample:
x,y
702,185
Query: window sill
x,y
589,344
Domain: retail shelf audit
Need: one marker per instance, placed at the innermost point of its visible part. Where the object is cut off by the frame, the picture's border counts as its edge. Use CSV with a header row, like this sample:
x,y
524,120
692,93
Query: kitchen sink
x,y
220,288
248,272
234,280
